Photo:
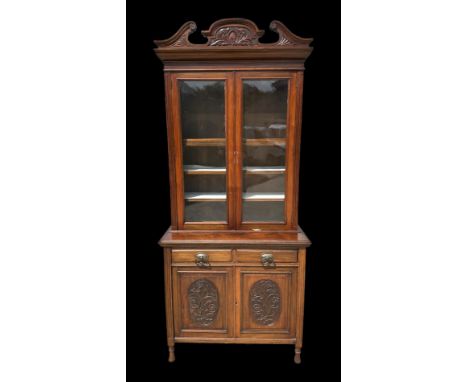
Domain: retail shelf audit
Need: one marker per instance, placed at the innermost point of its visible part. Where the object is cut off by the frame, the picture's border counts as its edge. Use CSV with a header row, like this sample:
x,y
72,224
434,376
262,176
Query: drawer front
x,y
255,256
210,256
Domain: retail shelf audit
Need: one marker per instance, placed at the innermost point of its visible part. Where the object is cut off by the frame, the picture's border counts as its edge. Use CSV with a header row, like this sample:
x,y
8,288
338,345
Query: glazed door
x,y
203,135
266,150
235,152
203,302
267,302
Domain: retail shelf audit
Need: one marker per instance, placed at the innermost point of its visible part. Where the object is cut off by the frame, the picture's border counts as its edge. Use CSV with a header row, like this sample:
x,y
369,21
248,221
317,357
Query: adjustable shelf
x,y
194,142
268,170
263,196
204,170
205,196
265,141
247,196
210,170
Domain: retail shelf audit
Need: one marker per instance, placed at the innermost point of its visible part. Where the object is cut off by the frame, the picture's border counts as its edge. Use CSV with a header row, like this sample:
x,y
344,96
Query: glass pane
x,y
265,104
204,150
263,211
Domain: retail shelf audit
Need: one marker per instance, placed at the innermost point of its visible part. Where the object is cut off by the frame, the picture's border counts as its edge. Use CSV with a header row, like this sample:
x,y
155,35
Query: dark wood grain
x,y
169,307
233,39
232,295
235,238
171,150
189,255
281,327
300,304
221,325
231,151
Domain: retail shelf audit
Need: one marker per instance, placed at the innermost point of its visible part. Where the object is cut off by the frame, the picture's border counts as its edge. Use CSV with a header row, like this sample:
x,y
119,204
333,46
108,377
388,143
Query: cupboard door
x,y
202,301
267,302
266,132
203,105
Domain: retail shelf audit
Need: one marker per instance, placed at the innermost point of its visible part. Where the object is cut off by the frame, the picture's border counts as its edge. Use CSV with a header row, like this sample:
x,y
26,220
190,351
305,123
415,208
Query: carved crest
x,y
203,302
265,302
233,32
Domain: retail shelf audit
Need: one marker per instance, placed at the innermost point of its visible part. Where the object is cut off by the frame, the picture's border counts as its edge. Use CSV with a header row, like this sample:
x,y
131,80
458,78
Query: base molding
x,y
246,341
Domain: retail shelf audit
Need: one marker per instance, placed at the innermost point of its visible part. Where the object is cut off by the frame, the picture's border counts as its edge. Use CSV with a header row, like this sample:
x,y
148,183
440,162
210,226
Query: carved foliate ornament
x,y
203,302
233,32
265,302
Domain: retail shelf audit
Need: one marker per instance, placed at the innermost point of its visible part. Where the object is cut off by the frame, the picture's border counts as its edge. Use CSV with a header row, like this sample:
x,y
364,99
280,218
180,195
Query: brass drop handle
x,y
201,260
267,260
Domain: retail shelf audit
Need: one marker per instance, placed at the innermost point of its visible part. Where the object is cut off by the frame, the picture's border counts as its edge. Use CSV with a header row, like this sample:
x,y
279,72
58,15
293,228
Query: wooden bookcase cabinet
x,y
234,255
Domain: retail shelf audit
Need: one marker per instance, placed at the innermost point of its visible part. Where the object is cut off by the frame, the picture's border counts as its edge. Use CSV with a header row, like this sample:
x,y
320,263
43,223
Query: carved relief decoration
x,y
265,302
203,302
286,37
233,32
180,38
233,36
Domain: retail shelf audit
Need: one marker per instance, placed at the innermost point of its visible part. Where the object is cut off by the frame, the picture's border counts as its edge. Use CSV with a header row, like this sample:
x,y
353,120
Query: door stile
x,y
171,149
177,131
231,150
297,147
238,149
291,142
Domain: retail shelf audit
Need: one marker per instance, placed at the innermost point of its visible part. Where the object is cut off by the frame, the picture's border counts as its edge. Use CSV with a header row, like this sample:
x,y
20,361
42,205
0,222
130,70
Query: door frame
x,y
290,302
291,160
177,155
227,299
234,148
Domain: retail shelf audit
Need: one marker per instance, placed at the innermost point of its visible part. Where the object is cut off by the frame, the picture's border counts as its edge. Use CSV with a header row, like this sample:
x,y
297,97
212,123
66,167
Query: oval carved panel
x,y
265,302
203,302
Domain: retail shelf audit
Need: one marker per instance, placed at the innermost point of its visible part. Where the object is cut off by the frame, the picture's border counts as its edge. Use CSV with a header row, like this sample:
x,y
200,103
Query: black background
x,y
148,214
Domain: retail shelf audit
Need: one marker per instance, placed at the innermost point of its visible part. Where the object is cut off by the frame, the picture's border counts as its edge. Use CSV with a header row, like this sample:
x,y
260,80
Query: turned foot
x,y
297,356
171,354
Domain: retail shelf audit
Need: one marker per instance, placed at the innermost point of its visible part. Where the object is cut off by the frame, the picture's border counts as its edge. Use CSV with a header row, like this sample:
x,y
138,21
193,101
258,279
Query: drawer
x,y
255,256
190,255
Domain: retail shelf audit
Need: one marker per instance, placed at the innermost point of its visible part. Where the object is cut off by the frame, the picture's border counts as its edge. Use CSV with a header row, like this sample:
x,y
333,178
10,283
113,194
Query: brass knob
x,y
267,260
201,260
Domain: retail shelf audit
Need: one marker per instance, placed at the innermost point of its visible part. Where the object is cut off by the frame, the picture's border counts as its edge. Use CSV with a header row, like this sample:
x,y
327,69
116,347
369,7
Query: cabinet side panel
x,y
168,294
300,297
170,148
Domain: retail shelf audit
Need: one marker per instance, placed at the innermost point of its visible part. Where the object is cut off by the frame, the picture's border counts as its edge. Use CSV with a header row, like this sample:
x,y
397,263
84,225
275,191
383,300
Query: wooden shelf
x,y
205,196
265,170
193,142
246,196
209,170
263,196
265,141
204,170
